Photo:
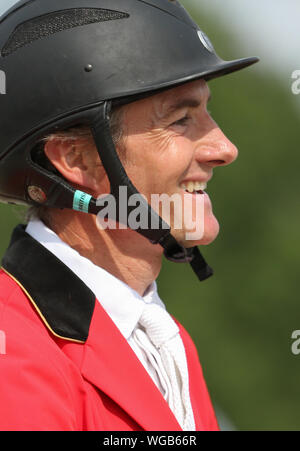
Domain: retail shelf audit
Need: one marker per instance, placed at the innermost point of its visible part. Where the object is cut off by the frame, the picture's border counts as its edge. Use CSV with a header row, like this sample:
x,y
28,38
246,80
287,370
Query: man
x,y
106,97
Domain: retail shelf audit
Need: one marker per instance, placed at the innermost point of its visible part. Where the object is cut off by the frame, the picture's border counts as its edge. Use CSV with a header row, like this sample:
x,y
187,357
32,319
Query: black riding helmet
x,y
68,63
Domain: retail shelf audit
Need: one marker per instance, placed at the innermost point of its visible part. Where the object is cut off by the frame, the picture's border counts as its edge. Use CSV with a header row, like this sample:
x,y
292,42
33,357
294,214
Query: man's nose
x,y
215,149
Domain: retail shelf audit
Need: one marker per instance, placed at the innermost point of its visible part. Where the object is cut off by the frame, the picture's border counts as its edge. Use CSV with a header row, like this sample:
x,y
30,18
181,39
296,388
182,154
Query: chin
x,y
211,231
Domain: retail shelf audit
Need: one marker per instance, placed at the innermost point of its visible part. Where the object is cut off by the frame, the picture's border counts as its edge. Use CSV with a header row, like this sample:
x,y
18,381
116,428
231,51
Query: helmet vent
x,y
43,26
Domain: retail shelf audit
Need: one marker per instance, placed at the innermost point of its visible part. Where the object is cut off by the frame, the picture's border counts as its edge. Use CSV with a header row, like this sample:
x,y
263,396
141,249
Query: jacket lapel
x,y
112,366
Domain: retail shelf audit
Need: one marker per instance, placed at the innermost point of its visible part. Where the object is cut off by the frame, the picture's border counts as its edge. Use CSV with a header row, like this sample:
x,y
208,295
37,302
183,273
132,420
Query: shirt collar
x,y
123,304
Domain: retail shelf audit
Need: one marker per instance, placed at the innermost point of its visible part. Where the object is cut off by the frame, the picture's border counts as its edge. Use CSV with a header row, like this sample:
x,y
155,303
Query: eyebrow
x,y
184,103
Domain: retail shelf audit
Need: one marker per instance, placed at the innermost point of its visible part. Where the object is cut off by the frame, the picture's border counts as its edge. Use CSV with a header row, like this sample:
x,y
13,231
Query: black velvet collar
x,y
63,301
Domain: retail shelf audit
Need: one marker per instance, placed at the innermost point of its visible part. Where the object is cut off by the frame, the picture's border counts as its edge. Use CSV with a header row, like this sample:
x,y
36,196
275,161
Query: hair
x,y
72,134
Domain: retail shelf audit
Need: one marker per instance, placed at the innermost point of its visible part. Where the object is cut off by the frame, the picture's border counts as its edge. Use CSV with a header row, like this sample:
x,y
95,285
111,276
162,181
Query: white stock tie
x,y
170,358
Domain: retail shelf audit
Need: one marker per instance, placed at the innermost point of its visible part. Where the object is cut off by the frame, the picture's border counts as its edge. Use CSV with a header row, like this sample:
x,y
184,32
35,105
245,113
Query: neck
x,y
123,253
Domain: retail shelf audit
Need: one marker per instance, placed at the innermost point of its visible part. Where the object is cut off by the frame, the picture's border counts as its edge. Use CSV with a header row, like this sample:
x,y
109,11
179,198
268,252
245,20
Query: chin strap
x,y
178,254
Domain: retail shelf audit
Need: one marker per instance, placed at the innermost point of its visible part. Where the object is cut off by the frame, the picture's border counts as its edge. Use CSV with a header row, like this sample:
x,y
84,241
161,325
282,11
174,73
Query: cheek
x,y
173,163
155,163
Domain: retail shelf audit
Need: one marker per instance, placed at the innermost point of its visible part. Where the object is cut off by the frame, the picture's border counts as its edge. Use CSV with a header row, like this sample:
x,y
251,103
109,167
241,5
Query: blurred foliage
x,y
242,318
10,216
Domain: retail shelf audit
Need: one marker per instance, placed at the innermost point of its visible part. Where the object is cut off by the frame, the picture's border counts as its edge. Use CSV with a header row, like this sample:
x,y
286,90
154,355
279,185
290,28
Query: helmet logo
x,y
36,194
206,41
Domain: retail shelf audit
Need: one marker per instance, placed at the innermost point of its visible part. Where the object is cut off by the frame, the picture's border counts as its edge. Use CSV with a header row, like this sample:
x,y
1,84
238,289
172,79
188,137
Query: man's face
x,y
171,144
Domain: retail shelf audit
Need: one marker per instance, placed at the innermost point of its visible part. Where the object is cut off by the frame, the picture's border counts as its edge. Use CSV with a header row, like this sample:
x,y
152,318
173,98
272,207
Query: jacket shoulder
x,y
17,314
37,380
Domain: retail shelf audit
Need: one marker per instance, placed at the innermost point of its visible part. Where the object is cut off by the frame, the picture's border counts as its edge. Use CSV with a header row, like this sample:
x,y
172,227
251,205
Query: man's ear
x,y
73,161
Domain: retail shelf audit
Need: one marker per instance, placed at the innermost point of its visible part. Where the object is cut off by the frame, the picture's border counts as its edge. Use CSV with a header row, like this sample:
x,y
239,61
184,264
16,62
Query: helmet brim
x,y
218,70
227,67
222,68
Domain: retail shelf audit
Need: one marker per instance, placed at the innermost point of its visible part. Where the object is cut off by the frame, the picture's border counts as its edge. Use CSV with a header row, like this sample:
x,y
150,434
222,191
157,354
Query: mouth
x,y
192,187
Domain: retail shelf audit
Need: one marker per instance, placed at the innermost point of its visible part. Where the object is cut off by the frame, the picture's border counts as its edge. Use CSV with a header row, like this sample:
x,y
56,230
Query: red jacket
x,y
64,365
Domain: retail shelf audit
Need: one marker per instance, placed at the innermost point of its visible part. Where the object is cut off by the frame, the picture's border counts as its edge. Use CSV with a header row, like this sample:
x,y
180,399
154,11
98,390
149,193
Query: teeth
x,y
190,187
193,186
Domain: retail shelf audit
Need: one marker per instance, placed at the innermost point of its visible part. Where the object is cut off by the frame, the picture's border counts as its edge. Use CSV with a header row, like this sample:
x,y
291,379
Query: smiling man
x,y
100,108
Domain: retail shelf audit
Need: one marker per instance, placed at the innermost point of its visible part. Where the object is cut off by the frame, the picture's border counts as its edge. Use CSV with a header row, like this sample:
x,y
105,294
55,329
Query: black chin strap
x,y
178,254
117,176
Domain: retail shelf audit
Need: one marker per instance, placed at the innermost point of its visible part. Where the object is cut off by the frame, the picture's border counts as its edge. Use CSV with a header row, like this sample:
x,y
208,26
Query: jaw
x,y
199,225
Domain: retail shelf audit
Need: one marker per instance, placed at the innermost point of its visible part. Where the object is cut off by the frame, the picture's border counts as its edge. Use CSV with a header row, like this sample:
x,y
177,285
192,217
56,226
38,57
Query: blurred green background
x,y
242,319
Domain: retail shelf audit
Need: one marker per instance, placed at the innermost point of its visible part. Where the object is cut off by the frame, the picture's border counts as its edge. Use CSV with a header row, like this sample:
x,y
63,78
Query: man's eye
x,y
183,121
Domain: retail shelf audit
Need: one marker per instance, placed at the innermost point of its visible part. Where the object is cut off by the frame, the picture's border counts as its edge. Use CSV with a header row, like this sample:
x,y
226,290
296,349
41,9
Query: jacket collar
x,y
62,300
107,288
